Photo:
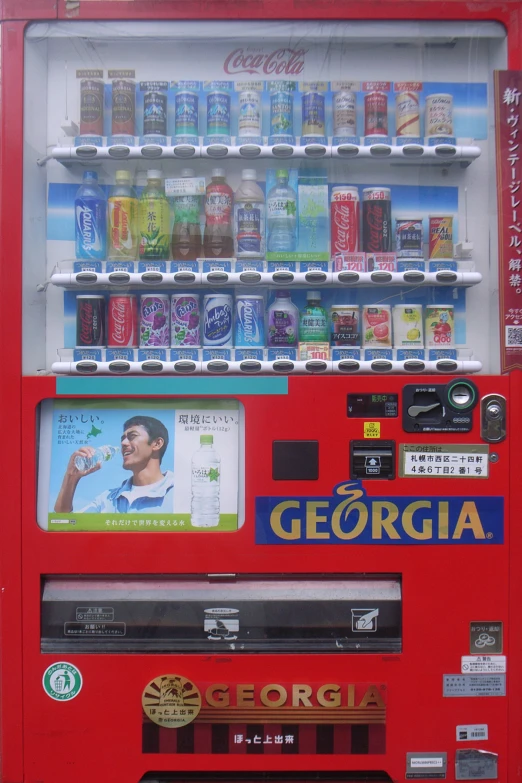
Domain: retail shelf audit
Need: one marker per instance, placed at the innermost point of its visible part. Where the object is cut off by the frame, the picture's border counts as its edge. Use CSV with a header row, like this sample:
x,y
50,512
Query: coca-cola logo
x,y
88,324
289,62
121,323
344,234
376,226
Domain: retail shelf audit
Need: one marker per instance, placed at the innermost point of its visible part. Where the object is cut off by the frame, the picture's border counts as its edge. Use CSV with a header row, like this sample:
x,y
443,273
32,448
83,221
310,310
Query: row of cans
x,y
439,112
377,232
163,320
401,326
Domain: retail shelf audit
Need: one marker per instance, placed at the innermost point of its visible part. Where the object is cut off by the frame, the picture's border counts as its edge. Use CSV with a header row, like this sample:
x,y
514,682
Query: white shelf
x,y
413,278
280,367
417,154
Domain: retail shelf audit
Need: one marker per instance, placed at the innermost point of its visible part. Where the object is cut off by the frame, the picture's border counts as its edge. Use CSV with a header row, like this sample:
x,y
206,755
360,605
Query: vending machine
x,y
262,317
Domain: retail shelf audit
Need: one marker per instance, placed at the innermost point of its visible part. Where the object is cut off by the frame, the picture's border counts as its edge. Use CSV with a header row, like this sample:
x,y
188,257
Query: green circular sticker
x,y
62,681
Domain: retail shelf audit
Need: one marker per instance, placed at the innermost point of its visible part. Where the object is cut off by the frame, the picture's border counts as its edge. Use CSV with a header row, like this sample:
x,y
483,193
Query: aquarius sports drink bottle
x,y
218,240
186,234
123,219
206,478
90,212
281,210
101,454
154,219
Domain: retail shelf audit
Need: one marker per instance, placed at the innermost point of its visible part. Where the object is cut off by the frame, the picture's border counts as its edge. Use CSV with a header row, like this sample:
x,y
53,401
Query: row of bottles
x,y
125,227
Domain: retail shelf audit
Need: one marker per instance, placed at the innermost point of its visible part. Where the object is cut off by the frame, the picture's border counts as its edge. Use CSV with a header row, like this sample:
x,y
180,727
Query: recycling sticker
x,y
62,681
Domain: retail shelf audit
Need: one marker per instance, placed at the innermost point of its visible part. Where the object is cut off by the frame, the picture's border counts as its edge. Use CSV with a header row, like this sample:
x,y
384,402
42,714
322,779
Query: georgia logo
x,y
171,701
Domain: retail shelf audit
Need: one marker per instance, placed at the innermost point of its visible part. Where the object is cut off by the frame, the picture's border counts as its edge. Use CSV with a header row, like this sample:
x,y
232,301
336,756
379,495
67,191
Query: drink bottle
x,y
101,454
123,219
206,478
186,234
313,321
283,321
281,210
90,212
249,217
154,219
218,240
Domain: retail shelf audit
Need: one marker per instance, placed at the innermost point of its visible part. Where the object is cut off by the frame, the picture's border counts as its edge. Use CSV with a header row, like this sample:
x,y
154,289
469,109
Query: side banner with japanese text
x,y
508,121
139,465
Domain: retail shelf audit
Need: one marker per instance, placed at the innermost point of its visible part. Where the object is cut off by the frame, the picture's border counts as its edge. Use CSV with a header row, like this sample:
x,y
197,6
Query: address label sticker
x,y
463,685
483,664
418,460
472,732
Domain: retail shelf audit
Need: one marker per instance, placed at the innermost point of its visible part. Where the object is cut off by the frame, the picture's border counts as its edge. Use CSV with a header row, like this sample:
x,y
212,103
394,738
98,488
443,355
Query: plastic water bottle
x,y
206,478
101,454
90,214
281,210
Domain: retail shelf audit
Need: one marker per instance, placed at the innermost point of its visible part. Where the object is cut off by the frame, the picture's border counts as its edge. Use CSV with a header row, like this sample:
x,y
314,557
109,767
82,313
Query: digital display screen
x,y
378,406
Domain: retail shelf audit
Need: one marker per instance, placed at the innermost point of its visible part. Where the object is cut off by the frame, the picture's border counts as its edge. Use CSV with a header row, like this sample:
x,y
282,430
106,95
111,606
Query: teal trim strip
x,y
199,386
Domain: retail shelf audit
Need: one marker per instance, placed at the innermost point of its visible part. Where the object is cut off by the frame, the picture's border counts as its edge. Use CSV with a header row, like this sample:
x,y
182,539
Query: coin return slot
x,y
372,460
295,460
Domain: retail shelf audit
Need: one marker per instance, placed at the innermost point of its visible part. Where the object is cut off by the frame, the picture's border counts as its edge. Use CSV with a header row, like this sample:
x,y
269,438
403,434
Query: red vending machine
x,y
262,309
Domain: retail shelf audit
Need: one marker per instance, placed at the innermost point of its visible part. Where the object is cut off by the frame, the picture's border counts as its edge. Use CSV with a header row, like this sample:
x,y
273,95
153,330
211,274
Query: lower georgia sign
x,y
181,716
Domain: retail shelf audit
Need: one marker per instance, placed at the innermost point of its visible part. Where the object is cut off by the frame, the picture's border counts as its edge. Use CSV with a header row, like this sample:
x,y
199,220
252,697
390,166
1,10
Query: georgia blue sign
x,y
350,517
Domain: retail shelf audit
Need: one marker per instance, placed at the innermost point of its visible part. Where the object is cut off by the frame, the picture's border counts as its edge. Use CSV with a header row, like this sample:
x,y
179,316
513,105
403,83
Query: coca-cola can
x,y
90,321
344,220
376,114
377,228
123,321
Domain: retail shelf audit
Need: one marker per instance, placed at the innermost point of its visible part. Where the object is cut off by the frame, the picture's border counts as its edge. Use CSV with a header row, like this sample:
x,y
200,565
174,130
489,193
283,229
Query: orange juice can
x,y
441,236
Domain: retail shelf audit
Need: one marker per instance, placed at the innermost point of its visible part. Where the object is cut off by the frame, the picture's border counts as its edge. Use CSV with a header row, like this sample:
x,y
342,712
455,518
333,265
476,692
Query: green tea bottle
x,y
154,219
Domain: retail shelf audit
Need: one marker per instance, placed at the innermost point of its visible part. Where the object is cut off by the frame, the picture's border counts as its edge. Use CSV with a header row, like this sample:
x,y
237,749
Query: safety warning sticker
x,y
483,664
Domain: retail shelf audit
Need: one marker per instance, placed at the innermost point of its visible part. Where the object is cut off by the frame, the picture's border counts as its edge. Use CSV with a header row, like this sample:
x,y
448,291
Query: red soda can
x,y
123,321
344,220
376,114
377,229
90,321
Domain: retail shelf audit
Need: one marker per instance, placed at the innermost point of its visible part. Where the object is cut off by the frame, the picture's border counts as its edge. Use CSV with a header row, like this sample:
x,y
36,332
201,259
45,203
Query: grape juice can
x,y
344,113
376,326
184,320
313,114
441,236
91,107
345,325
186,111
439,115
409,237
440,326
376,114
282,114
155,321
123,107
154,108
217,319
90,321
249,121
344,220
218,113
249,322
377,220
407,114
407,326
122,320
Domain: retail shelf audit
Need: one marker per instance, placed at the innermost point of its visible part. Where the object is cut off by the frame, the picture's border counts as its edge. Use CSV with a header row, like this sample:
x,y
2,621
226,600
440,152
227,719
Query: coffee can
x,y
377,230
123,107
441,236
376,114
217,319
439,114
344,113
249,120
313,114
122,321
92,99
218,113
281,114
186,113
90,321
154,108
409,239
345,325
407,112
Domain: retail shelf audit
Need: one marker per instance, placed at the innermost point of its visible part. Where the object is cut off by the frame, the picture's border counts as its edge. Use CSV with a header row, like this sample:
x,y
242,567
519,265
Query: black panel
x,y
295,460
372,459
